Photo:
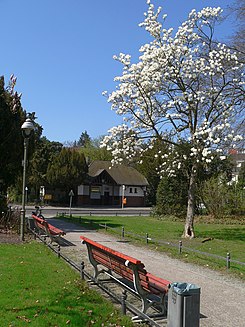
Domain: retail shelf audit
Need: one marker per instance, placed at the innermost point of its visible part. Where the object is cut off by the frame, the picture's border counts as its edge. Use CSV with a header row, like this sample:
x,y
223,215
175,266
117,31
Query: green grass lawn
x,y
224,237
38,289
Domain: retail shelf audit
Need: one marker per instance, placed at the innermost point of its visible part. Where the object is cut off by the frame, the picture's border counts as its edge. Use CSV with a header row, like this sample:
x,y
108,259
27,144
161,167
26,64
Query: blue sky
x,y
61,52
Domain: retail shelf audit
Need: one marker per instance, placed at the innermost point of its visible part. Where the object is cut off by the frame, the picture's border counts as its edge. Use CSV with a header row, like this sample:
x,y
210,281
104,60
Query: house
x,y
117,185
238,158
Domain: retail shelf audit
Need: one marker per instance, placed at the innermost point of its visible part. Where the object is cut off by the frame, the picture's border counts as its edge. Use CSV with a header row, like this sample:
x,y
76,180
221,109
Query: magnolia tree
x,y
185,86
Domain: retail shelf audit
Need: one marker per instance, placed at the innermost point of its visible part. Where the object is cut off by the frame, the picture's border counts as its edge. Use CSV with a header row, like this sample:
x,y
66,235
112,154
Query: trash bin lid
x,y
185,288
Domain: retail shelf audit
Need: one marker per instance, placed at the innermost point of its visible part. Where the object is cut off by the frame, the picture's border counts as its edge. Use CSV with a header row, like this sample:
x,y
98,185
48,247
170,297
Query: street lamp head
x,y
27,127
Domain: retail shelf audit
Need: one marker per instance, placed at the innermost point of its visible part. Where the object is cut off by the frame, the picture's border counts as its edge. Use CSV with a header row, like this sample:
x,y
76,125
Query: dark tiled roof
x,y
121,174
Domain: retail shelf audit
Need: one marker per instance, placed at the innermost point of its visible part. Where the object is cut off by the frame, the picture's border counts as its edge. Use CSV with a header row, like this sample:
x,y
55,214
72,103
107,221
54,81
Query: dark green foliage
x,y
149,168
172,195
220,198
84,139
43,156
241,178
92,151
11,141
67,170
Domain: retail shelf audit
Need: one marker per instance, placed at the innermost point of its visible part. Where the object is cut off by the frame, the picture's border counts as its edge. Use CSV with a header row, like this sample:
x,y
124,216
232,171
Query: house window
x,y
131,190
95,192
135,190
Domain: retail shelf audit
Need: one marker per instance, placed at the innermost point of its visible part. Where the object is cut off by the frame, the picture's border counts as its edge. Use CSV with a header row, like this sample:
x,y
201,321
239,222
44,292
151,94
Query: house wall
x,y
132,191
110,195
83,190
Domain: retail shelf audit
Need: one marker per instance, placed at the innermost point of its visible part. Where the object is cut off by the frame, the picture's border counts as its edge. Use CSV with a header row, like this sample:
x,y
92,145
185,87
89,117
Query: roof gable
x,y
121,174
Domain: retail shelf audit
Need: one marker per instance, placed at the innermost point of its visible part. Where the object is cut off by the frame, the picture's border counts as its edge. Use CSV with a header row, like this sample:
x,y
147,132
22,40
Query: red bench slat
x,y
115,261
116,253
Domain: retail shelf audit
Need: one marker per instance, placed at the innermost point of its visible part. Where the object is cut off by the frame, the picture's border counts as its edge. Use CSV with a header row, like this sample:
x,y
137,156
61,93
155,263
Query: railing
x,y
105,212
178,245
85,275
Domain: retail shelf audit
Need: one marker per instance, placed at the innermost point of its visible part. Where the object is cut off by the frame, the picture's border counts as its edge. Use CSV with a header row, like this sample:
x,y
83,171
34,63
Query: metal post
x,y
123,192
22,213
82,270
147,238
180,247
228,262
58,251
123,232
26,191
123,302
71,194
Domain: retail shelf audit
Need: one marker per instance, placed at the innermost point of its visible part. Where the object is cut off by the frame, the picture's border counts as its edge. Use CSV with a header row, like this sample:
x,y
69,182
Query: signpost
x,y
71,194
123,192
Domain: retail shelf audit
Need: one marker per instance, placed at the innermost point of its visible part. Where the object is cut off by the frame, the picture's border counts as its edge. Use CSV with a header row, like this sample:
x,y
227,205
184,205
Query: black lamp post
x,y
27,129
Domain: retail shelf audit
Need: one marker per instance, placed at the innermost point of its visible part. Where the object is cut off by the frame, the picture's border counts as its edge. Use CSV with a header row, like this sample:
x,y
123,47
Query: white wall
x,y
83,190
132,191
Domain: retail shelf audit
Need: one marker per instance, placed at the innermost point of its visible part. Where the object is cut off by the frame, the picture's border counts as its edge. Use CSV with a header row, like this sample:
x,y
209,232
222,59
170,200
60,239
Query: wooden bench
x,y
149,288
42,225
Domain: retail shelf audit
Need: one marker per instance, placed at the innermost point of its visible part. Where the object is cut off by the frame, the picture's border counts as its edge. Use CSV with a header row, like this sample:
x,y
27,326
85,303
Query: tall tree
x,y
92,151
11,141
185,85
67,170
84,139
149,164
44,154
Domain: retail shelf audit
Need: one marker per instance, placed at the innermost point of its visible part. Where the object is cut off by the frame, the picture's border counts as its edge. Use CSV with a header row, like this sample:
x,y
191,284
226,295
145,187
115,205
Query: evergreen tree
x,y
11,141
67,170
84,139
43,156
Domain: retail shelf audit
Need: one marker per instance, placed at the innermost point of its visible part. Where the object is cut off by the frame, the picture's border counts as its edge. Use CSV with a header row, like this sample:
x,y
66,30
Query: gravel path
x,y
222,298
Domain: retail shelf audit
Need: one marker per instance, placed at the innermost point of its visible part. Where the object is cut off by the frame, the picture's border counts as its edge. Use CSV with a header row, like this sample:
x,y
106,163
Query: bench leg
x,y
146,302
92,261
161,305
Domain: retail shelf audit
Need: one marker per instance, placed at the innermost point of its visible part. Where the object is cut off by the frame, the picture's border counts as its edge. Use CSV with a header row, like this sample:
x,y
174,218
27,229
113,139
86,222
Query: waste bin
x,y
183,305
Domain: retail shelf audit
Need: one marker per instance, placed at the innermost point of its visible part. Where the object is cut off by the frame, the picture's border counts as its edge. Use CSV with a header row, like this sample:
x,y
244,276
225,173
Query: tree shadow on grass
x,y
229,234
94,224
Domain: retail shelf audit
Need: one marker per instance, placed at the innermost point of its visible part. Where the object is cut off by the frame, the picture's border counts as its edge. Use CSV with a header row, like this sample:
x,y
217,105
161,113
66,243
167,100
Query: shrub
x,y
171,197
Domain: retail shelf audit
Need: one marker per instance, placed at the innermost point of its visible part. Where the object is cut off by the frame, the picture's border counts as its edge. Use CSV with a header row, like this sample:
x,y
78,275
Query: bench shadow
x,y
64,243
202,316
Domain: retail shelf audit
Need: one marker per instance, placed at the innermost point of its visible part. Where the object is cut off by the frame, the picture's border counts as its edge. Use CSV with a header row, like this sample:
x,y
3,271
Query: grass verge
x,y
211,237
38,289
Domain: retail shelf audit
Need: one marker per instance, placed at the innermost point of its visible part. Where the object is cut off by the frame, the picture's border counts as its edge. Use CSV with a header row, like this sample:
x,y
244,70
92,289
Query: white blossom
x,y
181,84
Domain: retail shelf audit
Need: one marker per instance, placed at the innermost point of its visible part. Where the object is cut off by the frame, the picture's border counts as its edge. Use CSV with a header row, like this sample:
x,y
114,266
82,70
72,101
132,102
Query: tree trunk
x,y
189,222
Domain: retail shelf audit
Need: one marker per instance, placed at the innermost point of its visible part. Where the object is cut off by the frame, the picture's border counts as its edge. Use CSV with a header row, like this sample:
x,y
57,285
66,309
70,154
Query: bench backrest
x,y
122,264
40,222
43,224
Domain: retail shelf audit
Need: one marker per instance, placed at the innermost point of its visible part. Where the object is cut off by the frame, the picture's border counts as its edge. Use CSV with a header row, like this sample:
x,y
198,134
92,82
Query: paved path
x,y
222,298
